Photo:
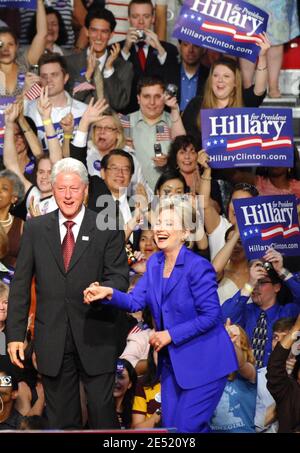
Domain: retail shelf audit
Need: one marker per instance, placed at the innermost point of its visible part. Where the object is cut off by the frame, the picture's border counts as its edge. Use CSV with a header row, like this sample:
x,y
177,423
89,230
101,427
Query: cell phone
x,y
157,150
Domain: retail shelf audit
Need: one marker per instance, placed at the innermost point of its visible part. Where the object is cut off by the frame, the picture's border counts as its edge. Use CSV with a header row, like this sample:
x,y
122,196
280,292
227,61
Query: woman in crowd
x,y
38,199
236,410
146,410
184,158
57,34
224,88
146,248
107,134
280,12
124,392
215,224
13,64
180,289
12,192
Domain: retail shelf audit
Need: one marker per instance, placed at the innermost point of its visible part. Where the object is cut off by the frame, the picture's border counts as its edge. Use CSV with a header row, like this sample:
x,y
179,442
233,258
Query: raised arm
x,y
10,156
261,73
177,127
44,107
38,44
223,256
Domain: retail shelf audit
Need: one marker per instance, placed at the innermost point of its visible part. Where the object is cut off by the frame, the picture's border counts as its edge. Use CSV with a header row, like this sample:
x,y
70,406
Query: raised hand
x,y
131,38
91,63
274,257
203,159
114,52
11,113
264,44
44,105
94,111
67,124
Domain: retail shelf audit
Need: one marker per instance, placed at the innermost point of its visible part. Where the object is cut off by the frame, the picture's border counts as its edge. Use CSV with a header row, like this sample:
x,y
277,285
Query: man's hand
x,y
257,272
114,52
91,63
96,292
131,38
274,257
160,161
16,350
153,41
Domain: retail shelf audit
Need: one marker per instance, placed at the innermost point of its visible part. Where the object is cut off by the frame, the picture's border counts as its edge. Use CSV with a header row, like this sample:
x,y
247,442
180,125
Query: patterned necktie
x,y
141,54
98,80
68,243
259,339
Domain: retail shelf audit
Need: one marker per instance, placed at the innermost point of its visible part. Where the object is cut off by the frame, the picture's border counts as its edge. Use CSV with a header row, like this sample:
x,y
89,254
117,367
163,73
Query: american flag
x,y
125,121
84,86
271,232
227,30
34,92
162,133
279,230
248,142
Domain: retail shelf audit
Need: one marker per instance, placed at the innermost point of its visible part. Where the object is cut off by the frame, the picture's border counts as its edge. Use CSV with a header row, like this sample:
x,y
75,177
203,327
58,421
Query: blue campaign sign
x,y
26,4
4,103
232,26
269,221
248,137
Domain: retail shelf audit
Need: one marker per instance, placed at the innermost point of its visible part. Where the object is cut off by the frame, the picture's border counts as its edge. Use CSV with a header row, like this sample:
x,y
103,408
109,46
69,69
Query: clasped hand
x,y
96,292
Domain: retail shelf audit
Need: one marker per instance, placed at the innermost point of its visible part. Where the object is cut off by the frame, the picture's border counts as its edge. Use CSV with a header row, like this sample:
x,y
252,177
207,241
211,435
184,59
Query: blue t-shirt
x,y
236,409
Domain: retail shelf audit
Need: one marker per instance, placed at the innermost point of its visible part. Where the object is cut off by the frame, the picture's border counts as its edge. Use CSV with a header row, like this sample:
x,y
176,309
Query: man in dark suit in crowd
x,y
66,251
142,48
100,66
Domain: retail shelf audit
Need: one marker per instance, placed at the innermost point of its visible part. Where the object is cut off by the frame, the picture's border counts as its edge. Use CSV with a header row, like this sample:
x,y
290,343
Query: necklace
x,y
6,223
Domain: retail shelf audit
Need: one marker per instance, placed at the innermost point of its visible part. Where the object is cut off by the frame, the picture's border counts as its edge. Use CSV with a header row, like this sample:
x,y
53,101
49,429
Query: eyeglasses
x,y
106,129
116,170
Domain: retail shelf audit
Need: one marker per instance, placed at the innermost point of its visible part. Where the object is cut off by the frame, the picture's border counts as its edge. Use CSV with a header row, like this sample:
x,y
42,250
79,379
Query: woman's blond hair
x,y
120,131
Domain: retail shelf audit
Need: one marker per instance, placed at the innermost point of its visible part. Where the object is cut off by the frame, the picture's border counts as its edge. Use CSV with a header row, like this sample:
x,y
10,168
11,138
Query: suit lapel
x,y
53,237
157,276
85,235
176,274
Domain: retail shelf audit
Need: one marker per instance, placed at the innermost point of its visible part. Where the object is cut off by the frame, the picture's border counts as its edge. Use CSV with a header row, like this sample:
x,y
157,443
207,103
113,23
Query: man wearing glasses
x,y
267,283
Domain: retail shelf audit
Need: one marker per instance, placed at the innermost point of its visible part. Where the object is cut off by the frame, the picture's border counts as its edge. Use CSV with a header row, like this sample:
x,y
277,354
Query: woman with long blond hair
x,y
236,409
224,89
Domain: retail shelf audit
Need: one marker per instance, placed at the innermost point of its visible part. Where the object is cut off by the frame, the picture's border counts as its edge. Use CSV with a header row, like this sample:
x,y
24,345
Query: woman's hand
x,y
11,113
203,159
158,340
93,113
264,44
67,124
96,292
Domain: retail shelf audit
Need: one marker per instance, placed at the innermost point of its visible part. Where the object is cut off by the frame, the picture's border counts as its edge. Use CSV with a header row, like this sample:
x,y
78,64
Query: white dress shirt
x,y
77,220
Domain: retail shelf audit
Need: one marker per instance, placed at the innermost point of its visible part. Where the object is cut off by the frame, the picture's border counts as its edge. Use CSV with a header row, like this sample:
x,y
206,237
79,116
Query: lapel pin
x,y
85,238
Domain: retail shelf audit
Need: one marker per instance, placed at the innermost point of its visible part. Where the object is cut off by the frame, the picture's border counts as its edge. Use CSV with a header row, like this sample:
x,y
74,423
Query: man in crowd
x,y
100,71
148,55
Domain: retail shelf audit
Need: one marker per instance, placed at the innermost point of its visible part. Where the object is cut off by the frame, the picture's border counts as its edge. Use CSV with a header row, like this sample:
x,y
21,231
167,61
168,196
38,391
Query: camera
x,y
157,150
141,35
34,68
171,90
268,266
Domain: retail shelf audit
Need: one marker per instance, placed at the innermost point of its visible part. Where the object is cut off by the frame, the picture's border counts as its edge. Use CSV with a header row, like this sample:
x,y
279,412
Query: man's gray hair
x,y
69,165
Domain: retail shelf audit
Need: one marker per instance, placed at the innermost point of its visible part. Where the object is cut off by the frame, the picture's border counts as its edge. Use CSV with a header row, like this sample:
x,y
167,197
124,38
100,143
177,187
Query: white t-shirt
x,y
216,239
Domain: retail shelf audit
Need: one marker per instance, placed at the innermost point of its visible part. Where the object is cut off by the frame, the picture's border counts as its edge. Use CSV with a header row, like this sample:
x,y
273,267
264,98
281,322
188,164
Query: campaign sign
x,y
269,221
231,26
248,137
4,103
26,4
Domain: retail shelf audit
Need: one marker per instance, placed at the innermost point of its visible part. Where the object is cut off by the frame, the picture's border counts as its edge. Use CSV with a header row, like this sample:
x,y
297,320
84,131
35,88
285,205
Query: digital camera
x,y
171,90
141,35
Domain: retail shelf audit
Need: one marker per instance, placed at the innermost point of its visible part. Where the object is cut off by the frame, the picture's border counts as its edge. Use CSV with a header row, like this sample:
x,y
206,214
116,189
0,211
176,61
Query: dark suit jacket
x,y
175,77
98,256
153,67
201,350
116,87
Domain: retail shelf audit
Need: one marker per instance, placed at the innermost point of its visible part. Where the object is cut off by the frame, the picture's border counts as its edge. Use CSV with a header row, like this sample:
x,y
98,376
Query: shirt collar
x,y
77,219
